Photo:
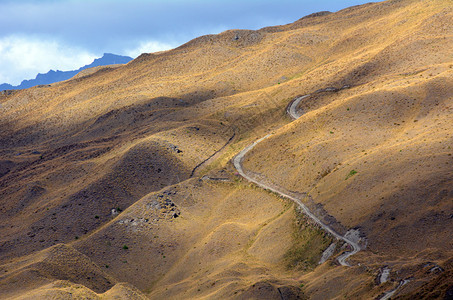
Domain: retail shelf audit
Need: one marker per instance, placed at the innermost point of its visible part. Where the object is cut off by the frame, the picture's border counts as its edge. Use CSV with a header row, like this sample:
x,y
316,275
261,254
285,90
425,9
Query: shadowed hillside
x,y
119,182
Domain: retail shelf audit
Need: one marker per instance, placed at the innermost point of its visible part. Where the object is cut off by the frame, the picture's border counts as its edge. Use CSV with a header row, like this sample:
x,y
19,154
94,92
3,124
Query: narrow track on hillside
x,y
237,162
389,294
212,155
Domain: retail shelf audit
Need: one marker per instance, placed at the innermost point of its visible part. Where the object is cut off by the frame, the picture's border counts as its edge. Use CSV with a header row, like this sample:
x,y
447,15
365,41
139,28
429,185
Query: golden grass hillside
x,y
119,182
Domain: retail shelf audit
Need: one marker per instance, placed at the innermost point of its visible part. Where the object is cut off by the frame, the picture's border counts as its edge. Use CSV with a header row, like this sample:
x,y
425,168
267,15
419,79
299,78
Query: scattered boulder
x,y
175,148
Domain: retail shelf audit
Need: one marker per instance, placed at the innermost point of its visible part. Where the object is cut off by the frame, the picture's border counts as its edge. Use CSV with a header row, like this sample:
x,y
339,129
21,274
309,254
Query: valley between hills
x,y
311,160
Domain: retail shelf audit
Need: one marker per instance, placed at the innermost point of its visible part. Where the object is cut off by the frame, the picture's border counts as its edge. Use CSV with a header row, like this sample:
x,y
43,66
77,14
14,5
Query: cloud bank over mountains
x,y
23,57
19,57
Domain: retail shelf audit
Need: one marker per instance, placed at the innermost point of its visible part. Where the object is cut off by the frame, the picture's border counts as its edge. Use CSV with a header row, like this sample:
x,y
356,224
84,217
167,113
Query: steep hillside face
x,y
129,169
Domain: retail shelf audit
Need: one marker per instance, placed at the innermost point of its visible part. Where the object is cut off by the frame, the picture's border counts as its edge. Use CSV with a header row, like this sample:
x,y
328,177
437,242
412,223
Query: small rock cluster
x,y
158,208
175,148
134,222
164,206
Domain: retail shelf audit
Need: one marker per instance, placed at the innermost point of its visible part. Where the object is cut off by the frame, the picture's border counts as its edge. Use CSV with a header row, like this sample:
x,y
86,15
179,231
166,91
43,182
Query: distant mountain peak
x,y
56,75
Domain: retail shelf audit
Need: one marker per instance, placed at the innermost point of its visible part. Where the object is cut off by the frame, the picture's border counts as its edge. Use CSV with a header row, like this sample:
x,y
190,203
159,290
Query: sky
x,y
39,35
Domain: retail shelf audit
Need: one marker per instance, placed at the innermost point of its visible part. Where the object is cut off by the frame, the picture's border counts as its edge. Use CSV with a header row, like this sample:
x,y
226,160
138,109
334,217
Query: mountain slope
x,y
130,167
56,76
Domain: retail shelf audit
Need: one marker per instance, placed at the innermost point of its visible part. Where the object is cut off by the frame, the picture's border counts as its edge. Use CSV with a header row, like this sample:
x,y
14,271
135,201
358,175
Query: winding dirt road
x,y
389,294
292,108
237,161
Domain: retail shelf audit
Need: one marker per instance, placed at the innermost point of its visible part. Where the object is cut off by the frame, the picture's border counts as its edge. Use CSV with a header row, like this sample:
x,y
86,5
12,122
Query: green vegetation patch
x,y
351,173
309,242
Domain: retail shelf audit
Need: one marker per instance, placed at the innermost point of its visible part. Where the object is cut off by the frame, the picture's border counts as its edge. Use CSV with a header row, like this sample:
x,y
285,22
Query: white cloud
x,y
22,57
148,47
